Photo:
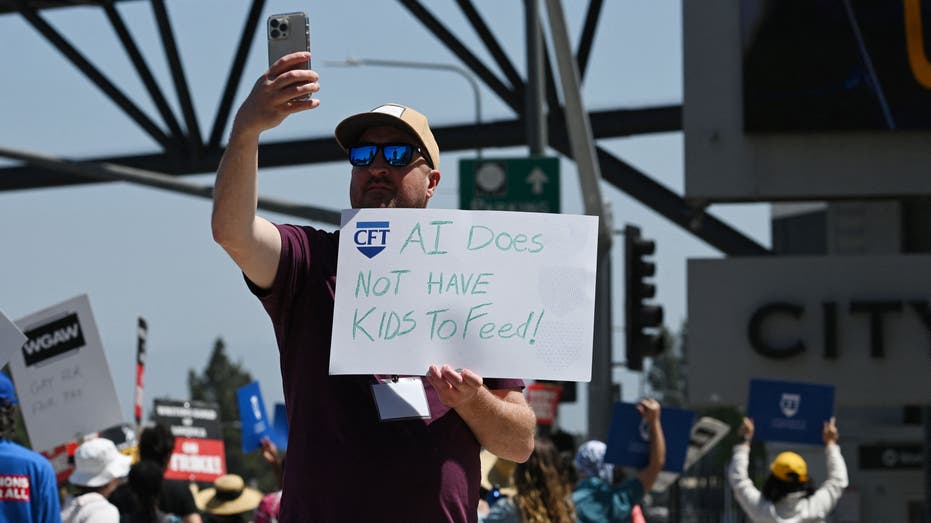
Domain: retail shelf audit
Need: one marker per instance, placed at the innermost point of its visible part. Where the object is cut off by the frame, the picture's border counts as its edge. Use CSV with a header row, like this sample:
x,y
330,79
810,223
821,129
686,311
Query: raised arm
x,y
271,456
500,419
650,409
252,241
747,495
826,497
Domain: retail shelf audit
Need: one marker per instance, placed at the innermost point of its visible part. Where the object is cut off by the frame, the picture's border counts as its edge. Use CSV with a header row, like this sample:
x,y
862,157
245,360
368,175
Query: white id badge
x,y
402,399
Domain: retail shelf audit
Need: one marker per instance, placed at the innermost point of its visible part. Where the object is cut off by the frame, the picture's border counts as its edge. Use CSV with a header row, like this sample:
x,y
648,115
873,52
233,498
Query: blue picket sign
x,y
252,416
789,412
628,442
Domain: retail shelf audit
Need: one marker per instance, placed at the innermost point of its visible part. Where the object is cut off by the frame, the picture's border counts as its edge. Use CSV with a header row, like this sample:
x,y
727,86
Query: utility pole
x,y
583,151
534,110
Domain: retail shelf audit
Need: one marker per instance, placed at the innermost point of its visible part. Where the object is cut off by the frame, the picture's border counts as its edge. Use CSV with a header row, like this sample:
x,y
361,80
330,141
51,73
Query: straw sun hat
x,y
229,495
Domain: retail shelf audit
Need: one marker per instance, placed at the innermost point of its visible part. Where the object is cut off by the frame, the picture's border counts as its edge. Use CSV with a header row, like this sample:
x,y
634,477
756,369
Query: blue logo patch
x,y
371,237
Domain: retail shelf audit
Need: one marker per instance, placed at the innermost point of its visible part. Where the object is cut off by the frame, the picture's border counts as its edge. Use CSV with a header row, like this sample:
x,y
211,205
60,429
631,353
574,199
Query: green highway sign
x,y
509,184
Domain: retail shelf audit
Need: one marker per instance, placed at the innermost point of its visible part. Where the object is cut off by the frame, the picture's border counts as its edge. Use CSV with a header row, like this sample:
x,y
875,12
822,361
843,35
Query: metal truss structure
x,y
186,149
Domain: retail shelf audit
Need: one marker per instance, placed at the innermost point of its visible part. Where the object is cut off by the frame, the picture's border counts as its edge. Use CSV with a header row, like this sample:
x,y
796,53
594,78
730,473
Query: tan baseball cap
x,y
393,115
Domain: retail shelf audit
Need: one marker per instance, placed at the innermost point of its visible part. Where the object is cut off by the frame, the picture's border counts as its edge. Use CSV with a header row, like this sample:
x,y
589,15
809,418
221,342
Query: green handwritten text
x,y
381,285
481,237
416,237
444,325
457,283
391,324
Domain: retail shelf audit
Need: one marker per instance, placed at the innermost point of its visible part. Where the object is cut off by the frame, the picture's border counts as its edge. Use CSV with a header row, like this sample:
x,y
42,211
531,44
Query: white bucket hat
x,y
97,462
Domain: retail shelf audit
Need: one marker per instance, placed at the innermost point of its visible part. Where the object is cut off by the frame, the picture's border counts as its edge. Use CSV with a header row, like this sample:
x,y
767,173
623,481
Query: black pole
x,y
599,389
927,423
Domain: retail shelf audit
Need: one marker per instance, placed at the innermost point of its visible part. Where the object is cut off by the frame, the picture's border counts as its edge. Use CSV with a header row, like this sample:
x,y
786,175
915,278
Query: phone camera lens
x,y
283,27
275,33
274,22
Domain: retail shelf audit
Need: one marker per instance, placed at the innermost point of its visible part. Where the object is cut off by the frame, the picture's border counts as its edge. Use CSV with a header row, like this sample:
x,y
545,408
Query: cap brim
x,y
120,466
349,130
118,469
86,479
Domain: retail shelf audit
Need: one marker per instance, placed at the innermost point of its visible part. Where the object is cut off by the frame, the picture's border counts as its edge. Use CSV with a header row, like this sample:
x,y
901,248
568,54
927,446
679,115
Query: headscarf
x,y
589,461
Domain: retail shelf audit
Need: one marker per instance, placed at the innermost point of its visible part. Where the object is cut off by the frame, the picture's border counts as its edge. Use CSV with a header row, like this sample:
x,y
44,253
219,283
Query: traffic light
x,y
642,320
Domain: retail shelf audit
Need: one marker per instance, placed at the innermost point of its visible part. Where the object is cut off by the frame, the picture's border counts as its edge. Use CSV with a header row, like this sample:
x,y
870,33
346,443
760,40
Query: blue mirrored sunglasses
x,y
396,154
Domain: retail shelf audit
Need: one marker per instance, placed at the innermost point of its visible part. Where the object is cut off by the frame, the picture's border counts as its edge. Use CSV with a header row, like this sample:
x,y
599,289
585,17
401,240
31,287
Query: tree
x,y
218,383
667,376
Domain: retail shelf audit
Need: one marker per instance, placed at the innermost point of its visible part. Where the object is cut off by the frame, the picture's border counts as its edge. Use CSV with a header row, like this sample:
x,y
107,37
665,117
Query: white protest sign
x,y
62,377
11,338
504,294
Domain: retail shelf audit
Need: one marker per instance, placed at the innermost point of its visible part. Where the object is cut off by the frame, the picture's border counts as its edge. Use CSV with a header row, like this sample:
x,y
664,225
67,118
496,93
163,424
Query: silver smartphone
x,y
288,33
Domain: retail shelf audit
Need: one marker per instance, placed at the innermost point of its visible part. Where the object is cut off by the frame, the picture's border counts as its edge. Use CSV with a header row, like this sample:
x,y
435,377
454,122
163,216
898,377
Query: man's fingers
x,y
436,379
288,61
433,382
291,78
451,376
438,384
294,92
303,105
471,379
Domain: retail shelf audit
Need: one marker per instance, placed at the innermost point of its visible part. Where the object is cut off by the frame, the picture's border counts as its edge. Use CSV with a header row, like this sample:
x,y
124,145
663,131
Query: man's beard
x,y
380,200
390,200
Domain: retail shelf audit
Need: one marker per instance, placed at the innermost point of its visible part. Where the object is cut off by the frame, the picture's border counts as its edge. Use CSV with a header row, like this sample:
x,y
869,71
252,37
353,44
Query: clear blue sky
x,y
139,251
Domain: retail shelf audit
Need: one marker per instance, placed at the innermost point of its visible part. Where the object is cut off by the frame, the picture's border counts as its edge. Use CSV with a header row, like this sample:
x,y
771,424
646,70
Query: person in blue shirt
x,y
597,499
28,490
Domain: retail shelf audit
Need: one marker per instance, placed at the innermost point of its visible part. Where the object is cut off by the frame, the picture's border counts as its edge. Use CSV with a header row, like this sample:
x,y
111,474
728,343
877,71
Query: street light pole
x,y
536,88
356,62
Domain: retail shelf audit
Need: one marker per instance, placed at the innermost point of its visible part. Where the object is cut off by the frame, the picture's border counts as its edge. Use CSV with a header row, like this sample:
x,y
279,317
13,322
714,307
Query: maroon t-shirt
x,y
343,464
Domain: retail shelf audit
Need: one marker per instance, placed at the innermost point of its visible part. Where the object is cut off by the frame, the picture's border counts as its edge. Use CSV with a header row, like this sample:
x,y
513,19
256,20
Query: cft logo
x,y
789,404
371,237
644,430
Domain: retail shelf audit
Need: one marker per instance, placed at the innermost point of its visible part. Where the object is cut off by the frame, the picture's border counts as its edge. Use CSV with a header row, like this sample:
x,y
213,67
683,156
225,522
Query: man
x,y
28,491
598,499
788,494
343,463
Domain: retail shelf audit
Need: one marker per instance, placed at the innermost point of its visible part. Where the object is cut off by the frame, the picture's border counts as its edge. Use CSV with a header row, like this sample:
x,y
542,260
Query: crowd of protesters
x,y
559,483
549,488
105,486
